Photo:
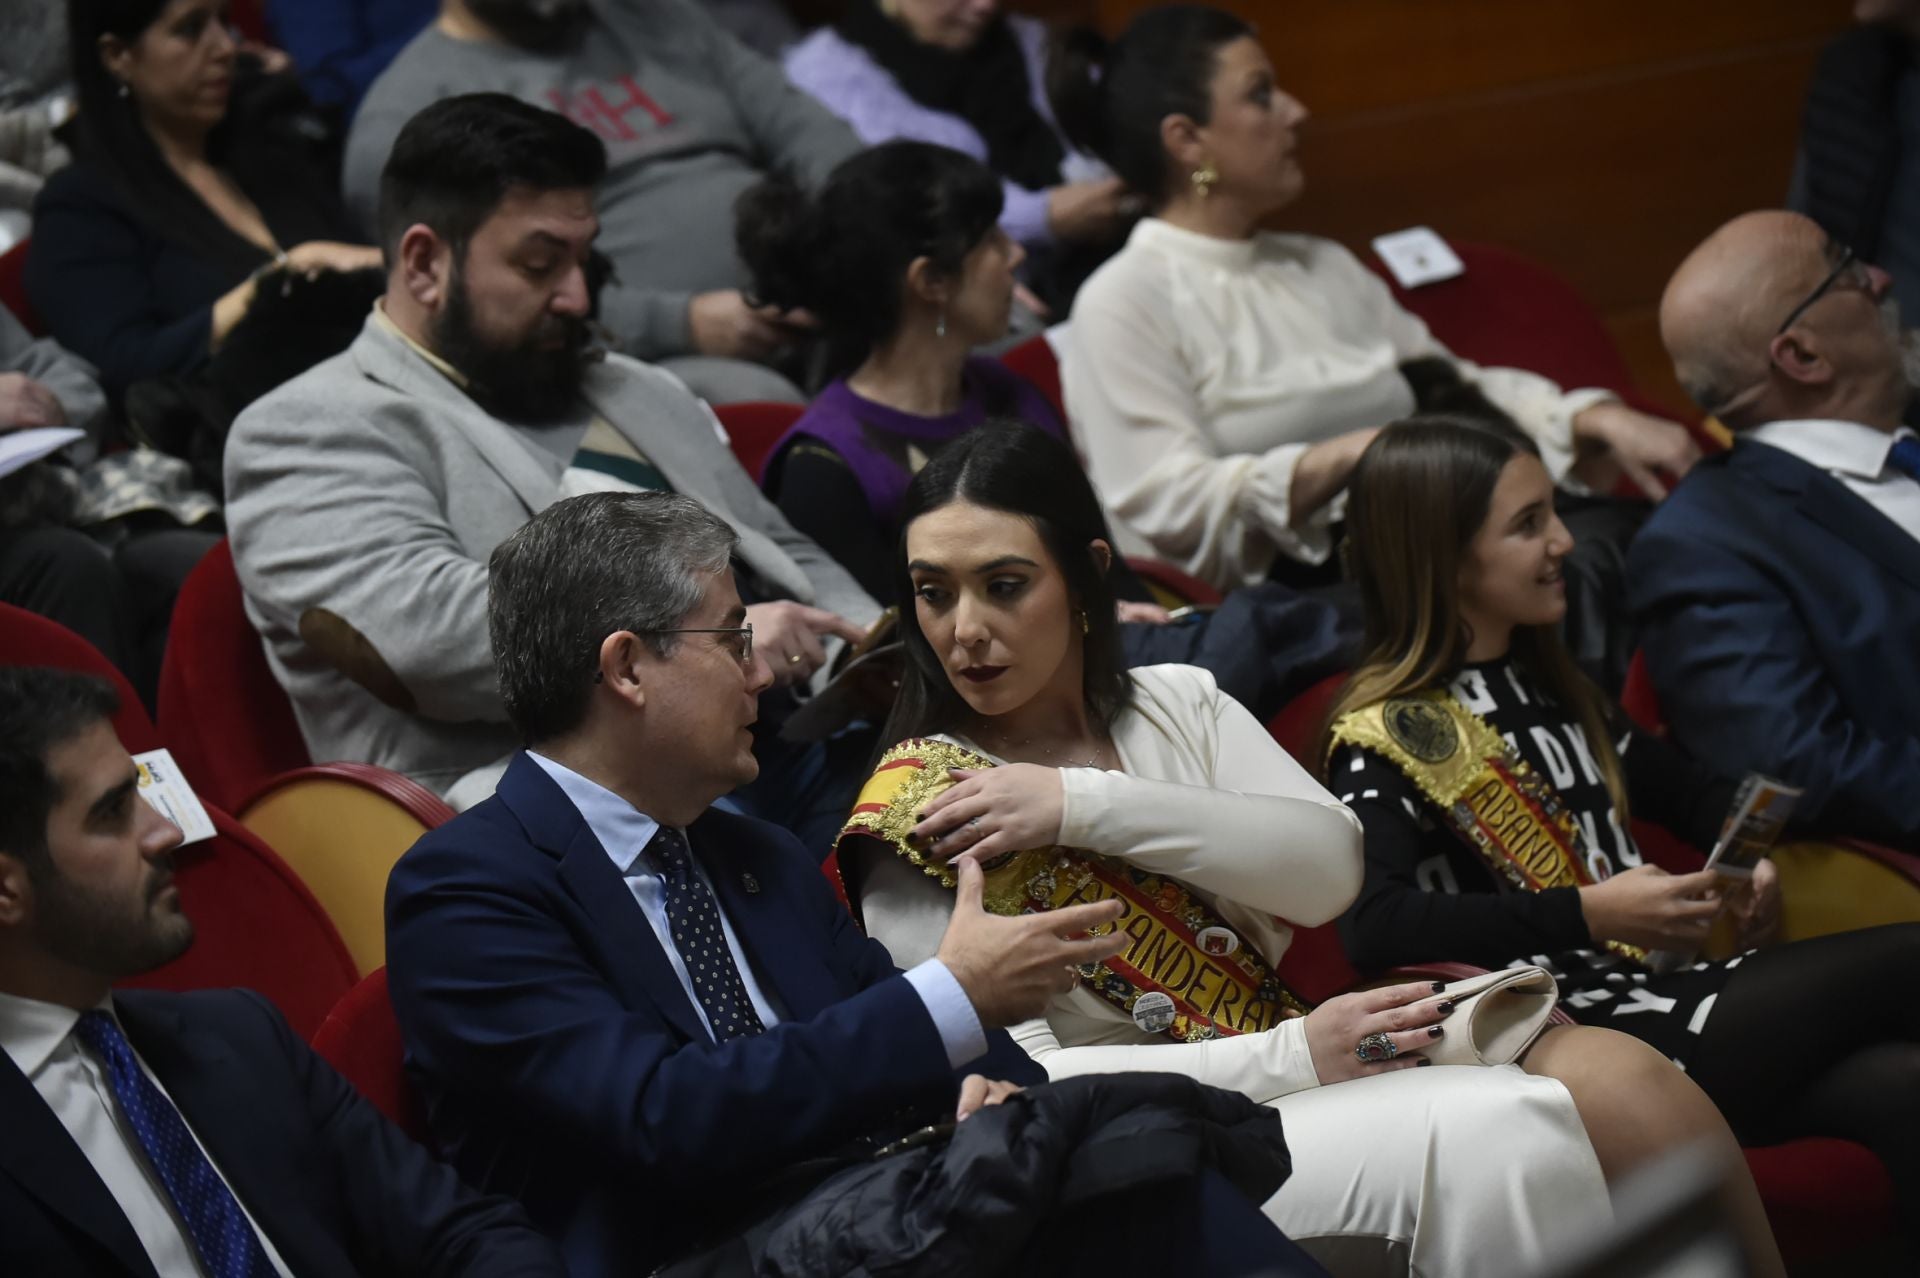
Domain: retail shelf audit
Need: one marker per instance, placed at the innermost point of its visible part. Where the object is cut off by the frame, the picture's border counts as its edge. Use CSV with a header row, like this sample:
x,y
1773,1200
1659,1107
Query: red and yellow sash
x,y
1488,794
1191,990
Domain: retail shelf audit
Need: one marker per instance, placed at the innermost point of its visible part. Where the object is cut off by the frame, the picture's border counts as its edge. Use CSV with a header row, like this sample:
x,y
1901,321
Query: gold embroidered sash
x,y
1487,793
1185,974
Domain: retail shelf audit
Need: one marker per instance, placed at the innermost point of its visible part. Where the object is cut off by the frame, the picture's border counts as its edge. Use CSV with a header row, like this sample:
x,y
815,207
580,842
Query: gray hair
x,y
581,570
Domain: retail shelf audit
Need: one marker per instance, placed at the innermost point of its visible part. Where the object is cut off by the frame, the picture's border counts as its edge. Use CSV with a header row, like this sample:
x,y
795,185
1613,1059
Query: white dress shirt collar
x,y
623,830
1838,447
32,1031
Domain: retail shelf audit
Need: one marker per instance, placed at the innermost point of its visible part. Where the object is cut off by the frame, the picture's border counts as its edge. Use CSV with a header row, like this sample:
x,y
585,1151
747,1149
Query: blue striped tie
x,y
218,1228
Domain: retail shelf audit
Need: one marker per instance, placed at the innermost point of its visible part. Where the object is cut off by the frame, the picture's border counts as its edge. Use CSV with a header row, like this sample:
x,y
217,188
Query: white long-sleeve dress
x,y
1449,1170
1197,370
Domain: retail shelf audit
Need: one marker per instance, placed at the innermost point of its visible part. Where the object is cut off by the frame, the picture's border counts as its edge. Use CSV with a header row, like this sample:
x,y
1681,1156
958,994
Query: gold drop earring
x,y
1203,179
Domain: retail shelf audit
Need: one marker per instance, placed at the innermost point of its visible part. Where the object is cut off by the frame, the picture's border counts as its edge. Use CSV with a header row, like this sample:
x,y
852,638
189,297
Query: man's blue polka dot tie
x,y
1905,455
216,1225
694,918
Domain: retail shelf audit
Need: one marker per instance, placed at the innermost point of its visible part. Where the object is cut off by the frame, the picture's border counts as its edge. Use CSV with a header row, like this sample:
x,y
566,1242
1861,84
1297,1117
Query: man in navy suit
x,y
1779,587
649,1018
176,1135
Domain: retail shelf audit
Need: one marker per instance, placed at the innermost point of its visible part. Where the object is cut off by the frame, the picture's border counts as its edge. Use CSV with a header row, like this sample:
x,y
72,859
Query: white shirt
x,y
624,832
1198,370
39,1038
1856,455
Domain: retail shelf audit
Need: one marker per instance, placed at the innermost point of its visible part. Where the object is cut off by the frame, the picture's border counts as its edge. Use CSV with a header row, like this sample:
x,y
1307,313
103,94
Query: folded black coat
x,y
973,1205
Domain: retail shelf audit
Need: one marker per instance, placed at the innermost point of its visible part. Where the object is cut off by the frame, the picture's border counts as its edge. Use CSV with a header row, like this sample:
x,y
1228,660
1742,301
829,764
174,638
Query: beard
x,y
525,381
1907,340
101,934
538,26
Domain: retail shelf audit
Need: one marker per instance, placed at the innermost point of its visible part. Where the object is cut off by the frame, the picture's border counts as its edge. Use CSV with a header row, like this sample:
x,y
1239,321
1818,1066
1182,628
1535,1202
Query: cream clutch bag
x,y
1495,1016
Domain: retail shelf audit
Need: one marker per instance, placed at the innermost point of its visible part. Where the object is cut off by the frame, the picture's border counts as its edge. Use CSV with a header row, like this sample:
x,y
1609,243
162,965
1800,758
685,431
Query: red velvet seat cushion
x,y
224,715
361,1039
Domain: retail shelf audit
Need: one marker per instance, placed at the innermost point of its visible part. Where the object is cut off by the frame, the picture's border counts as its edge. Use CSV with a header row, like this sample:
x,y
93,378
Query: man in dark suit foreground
x,y
176,1135
649,1018
1779,587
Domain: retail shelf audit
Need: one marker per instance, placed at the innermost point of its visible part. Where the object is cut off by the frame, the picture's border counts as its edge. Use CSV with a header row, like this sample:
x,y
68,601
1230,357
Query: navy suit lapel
x,y
37,1152
767,924
1831,504
556,827
1839,510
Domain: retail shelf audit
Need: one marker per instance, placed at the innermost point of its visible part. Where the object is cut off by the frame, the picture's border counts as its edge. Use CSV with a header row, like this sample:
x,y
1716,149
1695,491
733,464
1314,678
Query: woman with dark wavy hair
x,y
1024,744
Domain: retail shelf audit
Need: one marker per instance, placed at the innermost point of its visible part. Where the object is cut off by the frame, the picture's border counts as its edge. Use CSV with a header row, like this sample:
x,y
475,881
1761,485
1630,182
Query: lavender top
x,y
849,83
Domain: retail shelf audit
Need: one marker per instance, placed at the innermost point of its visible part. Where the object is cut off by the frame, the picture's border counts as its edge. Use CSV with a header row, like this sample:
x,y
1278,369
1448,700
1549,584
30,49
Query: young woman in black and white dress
x,y
1493,783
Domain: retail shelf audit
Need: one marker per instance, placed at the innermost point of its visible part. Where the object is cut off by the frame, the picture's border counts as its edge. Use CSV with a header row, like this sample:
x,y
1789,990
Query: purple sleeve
x,y
1024,216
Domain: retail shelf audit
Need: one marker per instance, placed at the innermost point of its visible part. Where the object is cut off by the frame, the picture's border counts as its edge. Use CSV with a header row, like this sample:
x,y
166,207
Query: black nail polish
x,y
1446,1007
1436,1031
1439,987
1425,1061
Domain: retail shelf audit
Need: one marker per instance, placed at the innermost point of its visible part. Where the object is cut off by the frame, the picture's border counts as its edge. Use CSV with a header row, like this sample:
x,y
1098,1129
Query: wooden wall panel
x,y
1605,137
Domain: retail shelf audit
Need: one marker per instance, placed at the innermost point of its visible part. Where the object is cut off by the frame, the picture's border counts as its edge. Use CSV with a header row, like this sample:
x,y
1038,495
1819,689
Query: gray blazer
x,y
374,488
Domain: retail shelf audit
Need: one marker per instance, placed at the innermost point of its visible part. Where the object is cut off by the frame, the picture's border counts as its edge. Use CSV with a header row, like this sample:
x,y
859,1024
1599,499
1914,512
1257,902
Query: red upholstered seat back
x,y
13,288
223,713
1298,724
361,1039
754,427
1034,359
28,639
257,926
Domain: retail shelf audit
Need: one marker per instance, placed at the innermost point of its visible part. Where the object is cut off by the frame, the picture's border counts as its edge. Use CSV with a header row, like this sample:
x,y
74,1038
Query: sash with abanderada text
x,y
1172,979
1488,795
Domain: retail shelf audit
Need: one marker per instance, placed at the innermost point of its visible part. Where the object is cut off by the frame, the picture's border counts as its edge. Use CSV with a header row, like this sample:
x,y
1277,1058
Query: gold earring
x,y
1086,627
1203,179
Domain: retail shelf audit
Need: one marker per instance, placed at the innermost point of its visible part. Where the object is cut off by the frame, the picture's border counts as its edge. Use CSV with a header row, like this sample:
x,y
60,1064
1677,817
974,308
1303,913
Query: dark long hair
x,y
843,253
1111,98
1417,499
108,135
1010,466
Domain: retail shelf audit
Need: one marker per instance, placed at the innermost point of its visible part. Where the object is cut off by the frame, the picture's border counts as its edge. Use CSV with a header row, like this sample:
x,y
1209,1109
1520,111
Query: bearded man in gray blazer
x,y
365,496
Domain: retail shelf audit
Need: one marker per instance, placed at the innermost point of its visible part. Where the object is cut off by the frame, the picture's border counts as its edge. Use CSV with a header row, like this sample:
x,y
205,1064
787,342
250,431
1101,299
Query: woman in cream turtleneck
x,y
1222,380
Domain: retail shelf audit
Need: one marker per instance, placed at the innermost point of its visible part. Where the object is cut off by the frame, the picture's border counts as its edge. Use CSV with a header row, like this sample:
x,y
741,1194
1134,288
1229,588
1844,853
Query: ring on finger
x,y
793,658
1375,1048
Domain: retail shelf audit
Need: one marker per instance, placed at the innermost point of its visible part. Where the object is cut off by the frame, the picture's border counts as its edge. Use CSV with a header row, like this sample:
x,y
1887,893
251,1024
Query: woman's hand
x,y
1648,907
1651,450
1755,906
1147,614
315,256
1322,471
993,811
1409,1015
977,1091
1093,210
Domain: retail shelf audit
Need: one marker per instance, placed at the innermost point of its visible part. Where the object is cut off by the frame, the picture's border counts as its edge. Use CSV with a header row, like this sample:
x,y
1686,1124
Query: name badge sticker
x,y
164,787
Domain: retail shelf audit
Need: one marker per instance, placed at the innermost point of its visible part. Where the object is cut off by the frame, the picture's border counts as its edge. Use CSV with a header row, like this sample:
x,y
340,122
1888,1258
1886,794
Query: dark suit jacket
x,y
563,1063
1781,623
342,1193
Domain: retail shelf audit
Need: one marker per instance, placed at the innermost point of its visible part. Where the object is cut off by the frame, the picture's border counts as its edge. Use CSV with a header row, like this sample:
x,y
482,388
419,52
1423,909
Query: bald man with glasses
x,y
1779,588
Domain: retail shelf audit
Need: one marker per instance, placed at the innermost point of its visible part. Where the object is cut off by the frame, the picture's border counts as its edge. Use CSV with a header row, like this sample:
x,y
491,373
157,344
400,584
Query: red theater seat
x,y
754,427
223,713
361,1039
13,288
1034,359
28,639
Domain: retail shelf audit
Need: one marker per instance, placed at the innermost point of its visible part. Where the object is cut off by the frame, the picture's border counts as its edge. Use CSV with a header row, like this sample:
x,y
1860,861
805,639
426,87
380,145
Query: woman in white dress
x,y
1221,379
1011,656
